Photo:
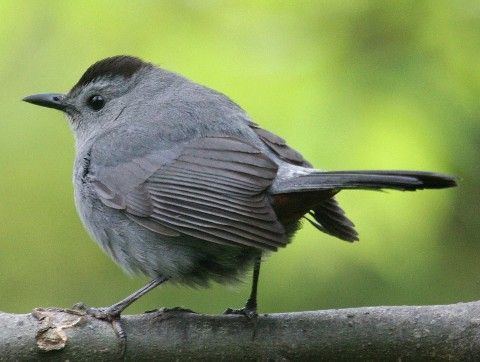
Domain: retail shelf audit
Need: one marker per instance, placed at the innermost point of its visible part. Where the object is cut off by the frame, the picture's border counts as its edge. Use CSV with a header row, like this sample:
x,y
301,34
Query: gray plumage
x,y
173,179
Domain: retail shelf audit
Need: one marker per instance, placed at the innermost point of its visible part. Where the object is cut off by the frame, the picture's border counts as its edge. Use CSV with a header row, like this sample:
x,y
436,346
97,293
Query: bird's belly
x,y
138,250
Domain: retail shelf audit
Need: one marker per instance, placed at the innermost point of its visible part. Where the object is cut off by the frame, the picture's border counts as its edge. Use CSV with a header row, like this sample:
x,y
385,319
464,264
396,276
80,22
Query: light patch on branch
x,y
51,335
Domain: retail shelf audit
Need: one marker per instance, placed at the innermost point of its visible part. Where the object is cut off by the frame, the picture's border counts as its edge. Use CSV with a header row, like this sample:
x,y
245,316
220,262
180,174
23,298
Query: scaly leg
x,y
112,313
250,309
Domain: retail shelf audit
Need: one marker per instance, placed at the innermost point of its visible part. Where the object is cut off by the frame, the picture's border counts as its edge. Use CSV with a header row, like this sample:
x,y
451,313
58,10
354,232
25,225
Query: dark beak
x,y
50,100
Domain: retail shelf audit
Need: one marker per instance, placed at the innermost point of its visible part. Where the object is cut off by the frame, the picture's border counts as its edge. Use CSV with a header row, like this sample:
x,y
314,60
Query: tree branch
x,y
427,332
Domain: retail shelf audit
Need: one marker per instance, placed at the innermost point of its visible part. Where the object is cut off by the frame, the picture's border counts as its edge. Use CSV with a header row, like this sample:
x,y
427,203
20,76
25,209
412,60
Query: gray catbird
x,y
175,181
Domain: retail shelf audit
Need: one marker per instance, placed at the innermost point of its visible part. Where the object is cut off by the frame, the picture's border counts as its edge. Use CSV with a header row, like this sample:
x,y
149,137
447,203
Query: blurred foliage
x,y
351,84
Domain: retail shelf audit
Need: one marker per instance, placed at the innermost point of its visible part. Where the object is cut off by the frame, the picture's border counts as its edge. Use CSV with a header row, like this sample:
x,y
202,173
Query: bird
x,y
175,181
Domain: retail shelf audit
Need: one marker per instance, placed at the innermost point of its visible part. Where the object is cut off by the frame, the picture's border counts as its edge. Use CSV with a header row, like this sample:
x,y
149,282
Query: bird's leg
x,y
112,313
250,309
114,310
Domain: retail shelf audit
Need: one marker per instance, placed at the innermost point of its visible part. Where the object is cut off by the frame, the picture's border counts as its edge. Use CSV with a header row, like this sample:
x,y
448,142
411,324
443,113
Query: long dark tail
x,y
366,180
314,191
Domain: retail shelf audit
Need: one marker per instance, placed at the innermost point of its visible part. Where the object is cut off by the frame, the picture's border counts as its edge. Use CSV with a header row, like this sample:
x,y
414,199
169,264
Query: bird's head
x,y
103,93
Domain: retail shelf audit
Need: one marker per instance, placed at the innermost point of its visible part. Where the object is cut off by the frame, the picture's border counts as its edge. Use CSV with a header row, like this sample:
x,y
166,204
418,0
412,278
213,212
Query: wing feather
x,y
214,190
212,202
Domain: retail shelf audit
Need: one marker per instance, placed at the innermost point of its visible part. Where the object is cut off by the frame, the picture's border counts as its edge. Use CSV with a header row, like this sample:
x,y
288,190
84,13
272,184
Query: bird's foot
x,y
250,313
103,313
108,314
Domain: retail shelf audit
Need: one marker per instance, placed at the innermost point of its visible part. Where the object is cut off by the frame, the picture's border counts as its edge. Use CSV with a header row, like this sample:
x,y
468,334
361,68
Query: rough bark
x,y
388,333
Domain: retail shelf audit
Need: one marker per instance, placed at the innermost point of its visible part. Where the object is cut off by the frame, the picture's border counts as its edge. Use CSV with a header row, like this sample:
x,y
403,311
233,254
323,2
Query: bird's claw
x,y
105,314
112,317
247,312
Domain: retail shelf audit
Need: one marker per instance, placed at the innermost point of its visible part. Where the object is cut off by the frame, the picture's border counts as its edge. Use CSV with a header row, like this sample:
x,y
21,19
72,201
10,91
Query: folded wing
x,y
215,190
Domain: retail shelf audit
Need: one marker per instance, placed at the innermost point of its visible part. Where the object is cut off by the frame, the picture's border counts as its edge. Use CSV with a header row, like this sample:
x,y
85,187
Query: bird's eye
x,y
96,102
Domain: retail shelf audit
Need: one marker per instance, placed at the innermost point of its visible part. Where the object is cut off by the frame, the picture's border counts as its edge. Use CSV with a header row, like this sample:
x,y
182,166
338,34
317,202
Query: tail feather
x,y
312,191
367,180
331,219
428,180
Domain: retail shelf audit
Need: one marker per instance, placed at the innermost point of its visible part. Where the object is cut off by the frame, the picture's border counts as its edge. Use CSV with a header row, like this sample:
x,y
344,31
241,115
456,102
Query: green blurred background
x,y
350,84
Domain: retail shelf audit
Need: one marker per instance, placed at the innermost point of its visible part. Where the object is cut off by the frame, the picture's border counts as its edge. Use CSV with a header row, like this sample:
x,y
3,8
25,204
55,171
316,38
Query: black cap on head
x,y
120,65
